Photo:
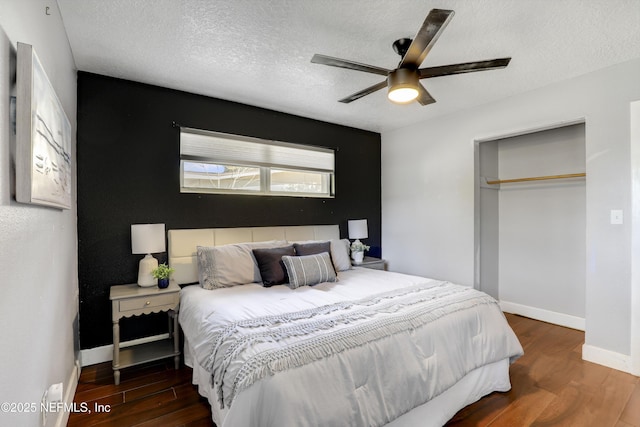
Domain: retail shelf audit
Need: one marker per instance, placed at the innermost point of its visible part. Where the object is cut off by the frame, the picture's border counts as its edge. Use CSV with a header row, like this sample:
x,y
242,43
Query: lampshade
x,y
147,238
403,85
358,229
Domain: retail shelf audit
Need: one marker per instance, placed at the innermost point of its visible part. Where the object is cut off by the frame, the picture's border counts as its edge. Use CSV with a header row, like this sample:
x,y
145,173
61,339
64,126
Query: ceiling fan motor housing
x,y
401,46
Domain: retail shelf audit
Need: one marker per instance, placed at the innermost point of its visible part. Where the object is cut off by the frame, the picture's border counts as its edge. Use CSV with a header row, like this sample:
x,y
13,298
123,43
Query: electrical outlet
x,y
54,394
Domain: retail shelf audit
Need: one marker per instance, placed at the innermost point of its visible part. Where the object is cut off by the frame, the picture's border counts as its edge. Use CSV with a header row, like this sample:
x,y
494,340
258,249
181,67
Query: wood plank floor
x,y
551,386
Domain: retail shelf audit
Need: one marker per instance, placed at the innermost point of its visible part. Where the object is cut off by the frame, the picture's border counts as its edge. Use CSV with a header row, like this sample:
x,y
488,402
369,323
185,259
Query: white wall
x,y
635,237
428,189
38,246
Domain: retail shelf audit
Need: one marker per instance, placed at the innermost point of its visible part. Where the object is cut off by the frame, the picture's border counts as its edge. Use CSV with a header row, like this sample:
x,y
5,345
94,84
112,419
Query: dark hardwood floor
x,y
551,386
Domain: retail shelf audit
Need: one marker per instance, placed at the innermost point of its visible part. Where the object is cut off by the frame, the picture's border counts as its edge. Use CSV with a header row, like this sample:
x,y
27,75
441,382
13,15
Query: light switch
x,y
616,216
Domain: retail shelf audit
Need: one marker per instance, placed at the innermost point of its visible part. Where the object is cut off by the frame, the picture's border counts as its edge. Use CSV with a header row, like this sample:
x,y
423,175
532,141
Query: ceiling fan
x,y
403,82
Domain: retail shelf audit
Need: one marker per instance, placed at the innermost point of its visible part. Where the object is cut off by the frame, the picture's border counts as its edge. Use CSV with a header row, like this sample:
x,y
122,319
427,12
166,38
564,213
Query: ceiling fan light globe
x,y
402,95
403,85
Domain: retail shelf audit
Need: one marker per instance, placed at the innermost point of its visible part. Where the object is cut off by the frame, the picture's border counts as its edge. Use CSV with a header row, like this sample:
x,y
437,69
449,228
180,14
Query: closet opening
x,y
530,218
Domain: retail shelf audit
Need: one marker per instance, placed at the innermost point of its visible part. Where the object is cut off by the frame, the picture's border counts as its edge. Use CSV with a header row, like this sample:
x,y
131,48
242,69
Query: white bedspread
x,y
382,344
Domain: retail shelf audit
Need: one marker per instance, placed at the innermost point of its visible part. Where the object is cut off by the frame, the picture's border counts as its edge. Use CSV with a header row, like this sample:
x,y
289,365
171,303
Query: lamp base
x,y
147,265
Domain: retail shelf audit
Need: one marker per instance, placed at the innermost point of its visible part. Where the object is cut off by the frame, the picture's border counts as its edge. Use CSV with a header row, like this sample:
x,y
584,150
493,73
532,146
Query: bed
x,y
356,347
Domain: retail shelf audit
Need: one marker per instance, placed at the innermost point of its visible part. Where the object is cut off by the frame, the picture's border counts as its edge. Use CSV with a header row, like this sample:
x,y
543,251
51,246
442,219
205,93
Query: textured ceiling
x,y
258,52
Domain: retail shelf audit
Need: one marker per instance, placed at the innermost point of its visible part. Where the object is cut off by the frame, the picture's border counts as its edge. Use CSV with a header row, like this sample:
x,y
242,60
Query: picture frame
x,y
43,137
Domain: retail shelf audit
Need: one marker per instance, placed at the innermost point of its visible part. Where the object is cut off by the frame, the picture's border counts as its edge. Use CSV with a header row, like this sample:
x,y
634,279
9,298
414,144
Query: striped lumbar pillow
x,y
309,269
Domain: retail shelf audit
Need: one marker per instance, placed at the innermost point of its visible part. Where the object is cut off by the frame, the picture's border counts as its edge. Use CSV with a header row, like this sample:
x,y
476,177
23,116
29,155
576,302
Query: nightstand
x,y
133,300
371,262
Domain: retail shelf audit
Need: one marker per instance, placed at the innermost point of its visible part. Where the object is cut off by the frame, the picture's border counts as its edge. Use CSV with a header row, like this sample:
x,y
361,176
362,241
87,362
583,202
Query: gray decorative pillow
x,y
339,251
230,265
270,264
312,248
309,270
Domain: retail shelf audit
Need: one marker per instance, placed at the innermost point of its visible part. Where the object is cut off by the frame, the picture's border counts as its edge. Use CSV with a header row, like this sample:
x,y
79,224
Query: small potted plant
x,y
162,273
357,251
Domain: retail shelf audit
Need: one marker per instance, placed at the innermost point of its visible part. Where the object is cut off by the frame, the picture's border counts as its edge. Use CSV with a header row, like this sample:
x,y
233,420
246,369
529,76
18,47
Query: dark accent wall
x,y
128,172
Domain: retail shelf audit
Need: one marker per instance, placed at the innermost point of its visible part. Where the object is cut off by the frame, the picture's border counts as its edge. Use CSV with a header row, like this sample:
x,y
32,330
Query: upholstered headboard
x,y
183,243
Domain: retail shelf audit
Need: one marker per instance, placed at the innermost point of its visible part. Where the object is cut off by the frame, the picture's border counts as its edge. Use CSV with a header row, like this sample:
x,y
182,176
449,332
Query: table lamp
x,y
147,239
358,229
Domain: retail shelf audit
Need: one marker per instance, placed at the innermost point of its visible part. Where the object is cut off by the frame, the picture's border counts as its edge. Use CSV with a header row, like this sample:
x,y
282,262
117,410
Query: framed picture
x,y
43,137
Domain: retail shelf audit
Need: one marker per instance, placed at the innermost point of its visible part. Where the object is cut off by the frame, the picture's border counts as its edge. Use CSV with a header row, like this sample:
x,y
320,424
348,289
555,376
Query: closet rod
x,y
538,178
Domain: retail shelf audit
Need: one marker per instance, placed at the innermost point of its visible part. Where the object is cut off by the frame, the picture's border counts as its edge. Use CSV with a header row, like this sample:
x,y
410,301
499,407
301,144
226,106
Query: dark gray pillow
x,y
309,270
303,249
272,269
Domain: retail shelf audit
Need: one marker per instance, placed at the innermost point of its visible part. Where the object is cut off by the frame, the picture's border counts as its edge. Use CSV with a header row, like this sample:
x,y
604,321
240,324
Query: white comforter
x,y
398,342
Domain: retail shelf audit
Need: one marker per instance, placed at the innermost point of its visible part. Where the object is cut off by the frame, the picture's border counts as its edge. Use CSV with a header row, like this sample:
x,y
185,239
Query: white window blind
x,y
233,149
214,162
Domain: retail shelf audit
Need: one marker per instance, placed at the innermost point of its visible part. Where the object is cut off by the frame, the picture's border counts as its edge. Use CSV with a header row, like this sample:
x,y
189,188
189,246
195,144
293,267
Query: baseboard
x,y
610,359
104,353
70,386
556,318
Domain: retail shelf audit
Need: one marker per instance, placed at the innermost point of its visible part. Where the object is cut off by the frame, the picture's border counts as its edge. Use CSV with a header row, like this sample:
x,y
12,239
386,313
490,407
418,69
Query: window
x,y
197,175
213,162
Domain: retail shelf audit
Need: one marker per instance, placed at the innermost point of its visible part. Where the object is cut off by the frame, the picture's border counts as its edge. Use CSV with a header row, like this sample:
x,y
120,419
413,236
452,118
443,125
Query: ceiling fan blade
x,y
364,92
424,97
350,65
466,67
428,34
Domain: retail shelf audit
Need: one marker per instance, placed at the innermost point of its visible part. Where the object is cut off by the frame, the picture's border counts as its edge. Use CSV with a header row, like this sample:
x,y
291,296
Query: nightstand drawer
x,y
149,302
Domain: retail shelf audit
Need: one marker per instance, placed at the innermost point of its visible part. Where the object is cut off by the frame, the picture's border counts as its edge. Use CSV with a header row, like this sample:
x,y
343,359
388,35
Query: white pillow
x,y
340,254
230,265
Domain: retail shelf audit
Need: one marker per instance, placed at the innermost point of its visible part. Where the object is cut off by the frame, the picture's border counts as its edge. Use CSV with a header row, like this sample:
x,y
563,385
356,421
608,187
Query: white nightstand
x,y
371,262
133,300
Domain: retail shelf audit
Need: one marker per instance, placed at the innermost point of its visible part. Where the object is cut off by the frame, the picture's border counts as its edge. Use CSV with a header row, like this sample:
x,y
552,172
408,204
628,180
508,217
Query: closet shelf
x,y
537,178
